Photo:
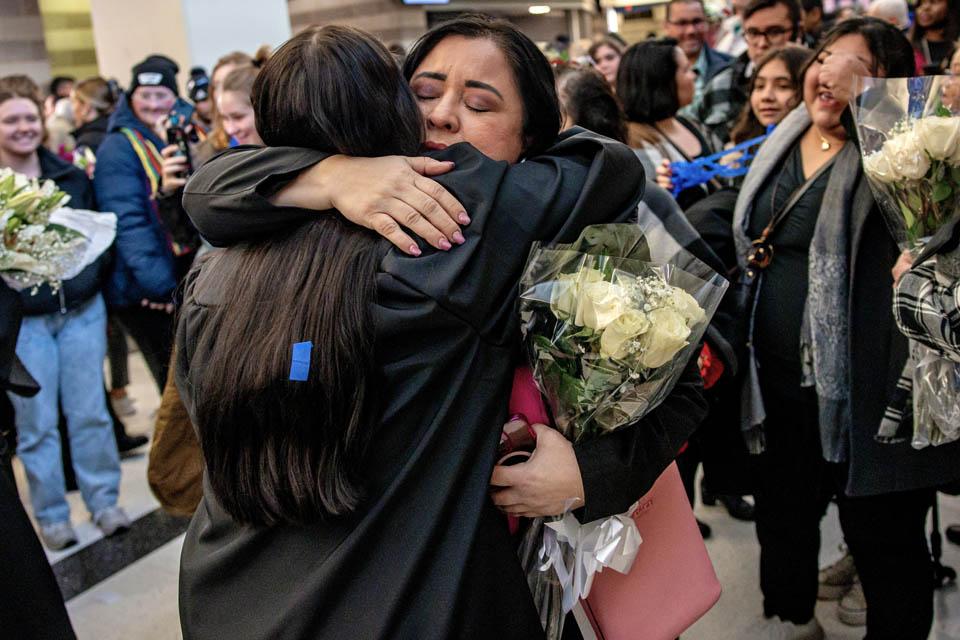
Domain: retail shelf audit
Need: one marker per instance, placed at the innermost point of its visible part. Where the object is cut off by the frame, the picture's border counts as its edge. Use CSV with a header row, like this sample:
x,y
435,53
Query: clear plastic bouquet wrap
x,y
43,240
909,130
910,141
608,333
936,397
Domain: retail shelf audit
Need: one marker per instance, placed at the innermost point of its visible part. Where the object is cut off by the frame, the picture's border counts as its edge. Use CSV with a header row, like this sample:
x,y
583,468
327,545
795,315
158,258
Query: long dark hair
x,y
589,102
278,450
531,71
951,30
892,52
794,58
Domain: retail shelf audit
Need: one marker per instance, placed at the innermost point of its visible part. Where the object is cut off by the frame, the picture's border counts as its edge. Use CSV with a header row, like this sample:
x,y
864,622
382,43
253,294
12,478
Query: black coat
x,y
92,133
88,282
428,556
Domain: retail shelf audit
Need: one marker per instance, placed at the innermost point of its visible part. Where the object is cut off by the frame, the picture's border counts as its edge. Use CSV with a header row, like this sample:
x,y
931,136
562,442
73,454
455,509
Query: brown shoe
x,y
837,579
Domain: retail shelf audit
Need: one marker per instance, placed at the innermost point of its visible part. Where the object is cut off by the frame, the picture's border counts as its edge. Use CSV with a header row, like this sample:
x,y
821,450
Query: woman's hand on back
x,y
544,485
386,195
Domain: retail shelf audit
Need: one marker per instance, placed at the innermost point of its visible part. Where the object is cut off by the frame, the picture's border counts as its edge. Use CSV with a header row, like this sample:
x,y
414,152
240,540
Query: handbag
x,y
672,583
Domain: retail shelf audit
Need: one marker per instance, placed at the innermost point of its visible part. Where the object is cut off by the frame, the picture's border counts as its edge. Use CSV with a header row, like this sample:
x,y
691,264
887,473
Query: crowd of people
x,y
350,216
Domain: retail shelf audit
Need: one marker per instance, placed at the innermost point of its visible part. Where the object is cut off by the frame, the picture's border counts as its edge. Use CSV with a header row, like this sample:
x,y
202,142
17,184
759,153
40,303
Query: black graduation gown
x,y
427,555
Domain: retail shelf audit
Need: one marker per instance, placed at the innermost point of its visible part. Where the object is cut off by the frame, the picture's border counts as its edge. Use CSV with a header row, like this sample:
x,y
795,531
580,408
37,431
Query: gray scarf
x,y
825,328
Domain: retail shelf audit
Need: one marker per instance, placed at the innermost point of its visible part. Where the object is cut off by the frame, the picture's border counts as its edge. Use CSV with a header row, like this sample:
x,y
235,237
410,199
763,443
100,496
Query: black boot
x,y
705,530
737,507
953,533
125,442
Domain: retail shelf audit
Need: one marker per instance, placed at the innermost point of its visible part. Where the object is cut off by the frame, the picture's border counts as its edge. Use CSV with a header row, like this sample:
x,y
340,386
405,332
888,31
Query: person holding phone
x,y
129,182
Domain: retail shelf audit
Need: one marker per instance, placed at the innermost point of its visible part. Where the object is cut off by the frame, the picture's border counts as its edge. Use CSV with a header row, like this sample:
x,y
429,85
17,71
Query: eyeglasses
x,y
773,34
696,23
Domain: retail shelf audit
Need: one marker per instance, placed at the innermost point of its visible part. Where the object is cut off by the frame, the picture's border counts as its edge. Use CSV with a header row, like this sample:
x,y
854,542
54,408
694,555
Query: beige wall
x,y
69,36
387,19
22,47
127,31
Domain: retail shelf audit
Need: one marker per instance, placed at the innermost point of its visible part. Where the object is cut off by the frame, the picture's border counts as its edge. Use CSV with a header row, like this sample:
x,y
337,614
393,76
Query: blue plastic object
x,y
703,170
300,362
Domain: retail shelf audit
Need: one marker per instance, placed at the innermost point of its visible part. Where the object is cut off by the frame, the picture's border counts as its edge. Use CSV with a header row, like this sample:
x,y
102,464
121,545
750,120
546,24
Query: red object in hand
x,y
526,405
711,367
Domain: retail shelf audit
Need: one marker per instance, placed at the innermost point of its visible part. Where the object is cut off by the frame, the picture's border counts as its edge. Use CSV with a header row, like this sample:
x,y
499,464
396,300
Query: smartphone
x,y
517,441
177,135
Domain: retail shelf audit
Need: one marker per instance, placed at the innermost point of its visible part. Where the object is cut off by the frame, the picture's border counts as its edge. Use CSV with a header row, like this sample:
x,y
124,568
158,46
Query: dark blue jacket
x,y
716,62
144,264
88,283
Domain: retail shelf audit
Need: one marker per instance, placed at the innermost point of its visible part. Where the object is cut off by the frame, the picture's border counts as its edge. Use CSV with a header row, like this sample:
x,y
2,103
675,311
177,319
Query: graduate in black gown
x,y
425,554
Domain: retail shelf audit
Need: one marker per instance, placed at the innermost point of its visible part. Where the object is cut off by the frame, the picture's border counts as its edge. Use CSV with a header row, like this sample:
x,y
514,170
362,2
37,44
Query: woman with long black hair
x,y
379,439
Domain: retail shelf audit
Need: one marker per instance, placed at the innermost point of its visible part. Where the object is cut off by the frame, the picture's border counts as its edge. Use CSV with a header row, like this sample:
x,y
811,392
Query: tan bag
x,y
175,466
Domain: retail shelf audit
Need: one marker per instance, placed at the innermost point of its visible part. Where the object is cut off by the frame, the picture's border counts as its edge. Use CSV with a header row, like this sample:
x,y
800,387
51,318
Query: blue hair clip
x,y
300,361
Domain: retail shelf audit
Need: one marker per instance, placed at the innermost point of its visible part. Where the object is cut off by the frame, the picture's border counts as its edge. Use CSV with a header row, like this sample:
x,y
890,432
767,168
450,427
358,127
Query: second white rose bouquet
x,y
911,153
608,333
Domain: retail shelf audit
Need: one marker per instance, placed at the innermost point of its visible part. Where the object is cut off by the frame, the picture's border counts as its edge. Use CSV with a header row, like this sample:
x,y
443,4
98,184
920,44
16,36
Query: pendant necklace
x,y
824,143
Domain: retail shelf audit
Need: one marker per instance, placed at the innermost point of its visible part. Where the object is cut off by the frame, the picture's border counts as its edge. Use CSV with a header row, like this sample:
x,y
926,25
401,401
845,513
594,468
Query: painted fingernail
x,y
415,250
463,217
445,244
458,238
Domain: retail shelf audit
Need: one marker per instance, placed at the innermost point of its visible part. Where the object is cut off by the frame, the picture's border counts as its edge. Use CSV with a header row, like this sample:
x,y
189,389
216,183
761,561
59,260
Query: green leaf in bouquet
x,y
66,233
943,111
955,174
942,191
908,217
914,201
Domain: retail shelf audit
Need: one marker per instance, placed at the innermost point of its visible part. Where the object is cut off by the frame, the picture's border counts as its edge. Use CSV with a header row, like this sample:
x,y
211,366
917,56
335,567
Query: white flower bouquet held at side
x,y
607,332
910,141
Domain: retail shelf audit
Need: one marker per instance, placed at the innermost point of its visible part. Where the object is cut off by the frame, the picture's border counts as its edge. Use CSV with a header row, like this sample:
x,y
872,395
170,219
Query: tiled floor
x,y
140,601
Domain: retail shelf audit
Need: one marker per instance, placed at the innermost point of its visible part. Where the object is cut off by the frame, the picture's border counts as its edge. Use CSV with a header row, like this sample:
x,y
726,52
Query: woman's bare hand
x,y
665,175
838,72
544,485
904,262
389,195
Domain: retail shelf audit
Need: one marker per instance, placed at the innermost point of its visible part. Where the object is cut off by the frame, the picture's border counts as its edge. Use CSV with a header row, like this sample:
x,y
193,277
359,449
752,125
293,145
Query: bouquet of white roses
x,y
44,241
910,143
608,333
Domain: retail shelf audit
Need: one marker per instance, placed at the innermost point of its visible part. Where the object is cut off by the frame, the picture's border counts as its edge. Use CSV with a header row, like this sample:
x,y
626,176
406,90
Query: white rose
x,y
629,325
600,304
687,306
666,336
877,166
940,136
906,156
566,291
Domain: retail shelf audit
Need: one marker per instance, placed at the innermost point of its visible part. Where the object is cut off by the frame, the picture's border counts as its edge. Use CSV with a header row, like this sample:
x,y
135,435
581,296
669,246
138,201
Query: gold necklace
x,y
824,143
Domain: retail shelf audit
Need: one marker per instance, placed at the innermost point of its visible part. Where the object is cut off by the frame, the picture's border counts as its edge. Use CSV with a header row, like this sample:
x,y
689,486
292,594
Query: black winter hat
x,y
155,71
199,85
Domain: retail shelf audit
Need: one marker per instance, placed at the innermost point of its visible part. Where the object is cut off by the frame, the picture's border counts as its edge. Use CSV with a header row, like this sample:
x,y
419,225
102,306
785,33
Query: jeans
x,y
65,353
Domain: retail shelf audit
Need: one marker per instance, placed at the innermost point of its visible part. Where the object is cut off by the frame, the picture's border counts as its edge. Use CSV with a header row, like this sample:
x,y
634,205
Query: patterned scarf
x,y
825,328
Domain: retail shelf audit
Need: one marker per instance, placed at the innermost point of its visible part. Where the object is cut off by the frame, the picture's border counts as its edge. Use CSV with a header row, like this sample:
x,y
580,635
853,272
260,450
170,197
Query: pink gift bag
x,y
672,582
